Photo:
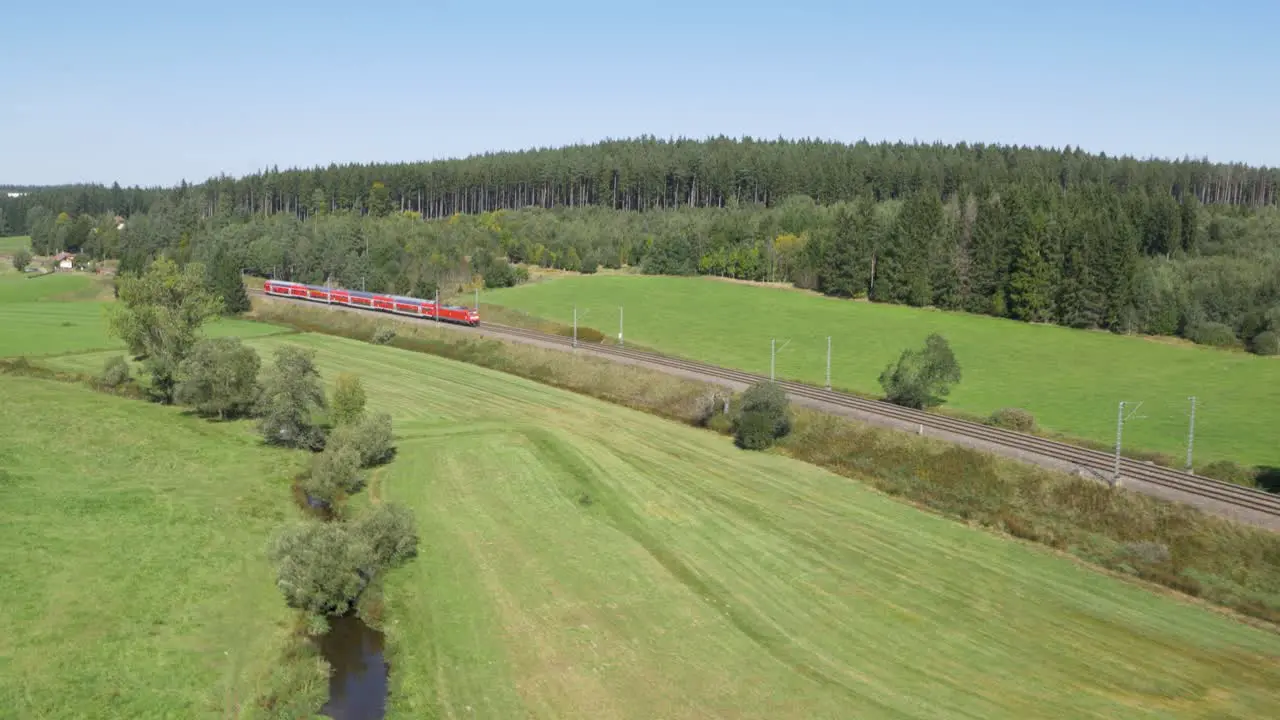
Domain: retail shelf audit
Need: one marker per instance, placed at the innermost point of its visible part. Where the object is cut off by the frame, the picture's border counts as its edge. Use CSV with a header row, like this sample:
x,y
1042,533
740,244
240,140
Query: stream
x,y
358,678
358,685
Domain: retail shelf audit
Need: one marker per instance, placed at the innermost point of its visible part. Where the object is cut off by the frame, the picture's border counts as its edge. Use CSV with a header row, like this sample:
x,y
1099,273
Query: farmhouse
x,y
65,260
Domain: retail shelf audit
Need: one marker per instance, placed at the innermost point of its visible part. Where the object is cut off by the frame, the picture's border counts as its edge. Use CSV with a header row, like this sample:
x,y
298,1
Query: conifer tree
x,y
1029,295
845,269
228,284
988,253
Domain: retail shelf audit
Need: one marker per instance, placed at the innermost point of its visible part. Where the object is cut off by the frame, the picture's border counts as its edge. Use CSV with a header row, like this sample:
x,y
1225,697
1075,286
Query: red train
x,y
372,301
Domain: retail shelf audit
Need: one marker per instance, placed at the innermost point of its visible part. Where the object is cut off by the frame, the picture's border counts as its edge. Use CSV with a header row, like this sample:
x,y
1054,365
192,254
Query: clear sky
x,y
145,92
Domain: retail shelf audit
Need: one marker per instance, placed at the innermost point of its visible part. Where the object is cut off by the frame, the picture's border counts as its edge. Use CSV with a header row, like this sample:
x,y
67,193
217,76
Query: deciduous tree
x,y
159,316
922,378
347,405
292,399
322,567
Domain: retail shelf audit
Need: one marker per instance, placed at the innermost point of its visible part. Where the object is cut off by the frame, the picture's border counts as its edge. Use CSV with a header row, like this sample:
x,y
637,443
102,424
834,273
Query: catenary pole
x,y
1191,433
1115,476
828,362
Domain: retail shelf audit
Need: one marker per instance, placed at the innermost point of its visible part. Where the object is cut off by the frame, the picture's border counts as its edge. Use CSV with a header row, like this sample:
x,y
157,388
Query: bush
x,y
585,334
1267,343
219,378
21,259
347,404
1231,472
372,439
753,431
383,335
763,416
322,567
710,406
922,378
333,472
1013,419
390,532
1213,334
499,274
115,372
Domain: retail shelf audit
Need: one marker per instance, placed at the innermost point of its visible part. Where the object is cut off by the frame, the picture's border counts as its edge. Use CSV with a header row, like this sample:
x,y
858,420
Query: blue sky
x,y
145,92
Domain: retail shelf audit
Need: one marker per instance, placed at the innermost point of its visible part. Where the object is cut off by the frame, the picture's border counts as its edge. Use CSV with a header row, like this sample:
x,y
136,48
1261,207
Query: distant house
x,y
15,194
65,260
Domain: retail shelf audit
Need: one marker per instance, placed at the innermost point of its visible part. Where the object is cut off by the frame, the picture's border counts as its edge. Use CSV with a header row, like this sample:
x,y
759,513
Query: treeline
x,y
1087,257
1168,248
74,200
647,173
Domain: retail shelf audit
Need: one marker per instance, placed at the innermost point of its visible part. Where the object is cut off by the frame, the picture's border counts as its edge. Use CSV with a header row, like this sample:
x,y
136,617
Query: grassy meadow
x,y
10,244
586,560
1071,380
578,559
67,312
136,582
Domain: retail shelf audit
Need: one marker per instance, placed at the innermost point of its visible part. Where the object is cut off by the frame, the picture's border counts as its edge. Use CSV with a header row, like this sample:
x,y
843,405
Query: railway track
x,y
1261,508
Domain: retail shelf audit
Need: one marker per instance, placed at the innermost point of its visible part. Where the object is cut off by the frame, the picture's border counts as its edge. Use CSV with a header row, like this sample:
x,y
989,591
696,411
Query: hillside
x,y
577,555
1071,380
584,554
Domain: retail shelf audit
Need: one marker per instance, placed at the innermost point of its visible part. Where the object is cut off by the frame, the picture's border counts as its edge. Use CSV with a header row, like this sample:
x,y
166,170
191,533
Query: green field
x,y
1071,380
135,578
578,559
12,243
584,560
66,312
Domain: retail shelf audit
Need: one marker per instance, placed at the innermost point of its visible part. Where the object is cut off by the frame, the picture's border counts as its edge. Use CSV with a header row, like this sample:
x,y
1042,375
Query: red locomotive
x,y
414,307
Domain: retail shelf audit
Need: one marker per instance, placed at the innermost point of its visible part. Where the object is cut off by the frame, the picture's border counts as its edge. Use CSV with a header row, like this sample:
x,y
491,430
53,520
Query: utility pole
x,y
828,362
437,302
1191,434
